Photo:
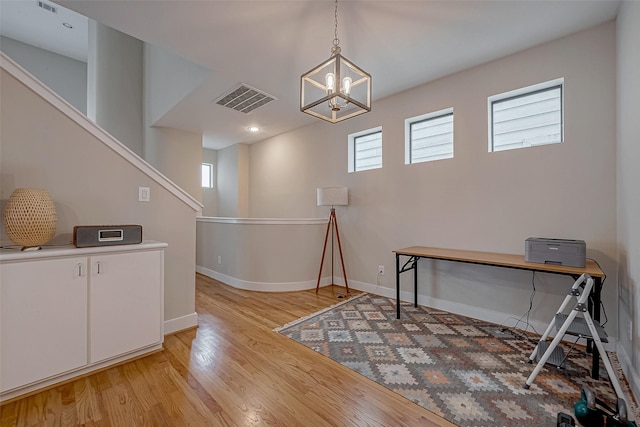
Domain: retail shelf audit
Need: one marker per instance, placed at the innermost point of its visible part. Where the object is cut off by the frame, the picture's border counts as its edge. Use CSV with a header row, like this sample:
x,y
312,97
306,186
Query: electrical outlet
x,y
219,259
381,270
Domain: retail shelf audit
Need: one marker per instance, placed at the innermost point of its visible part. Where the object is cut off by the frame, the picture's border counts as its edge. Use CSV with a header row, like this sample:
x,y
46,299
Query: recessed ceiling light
x,y
253,129
67,25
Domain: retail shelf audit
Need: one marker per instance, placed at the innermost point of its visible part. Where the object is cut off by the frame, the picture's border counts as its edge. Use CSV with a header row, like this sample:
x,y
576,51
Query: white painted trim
x,y
263,286
263,221
70,250
423,117
74,114
351,148
499,318
521,91
10,394
180,323
633,376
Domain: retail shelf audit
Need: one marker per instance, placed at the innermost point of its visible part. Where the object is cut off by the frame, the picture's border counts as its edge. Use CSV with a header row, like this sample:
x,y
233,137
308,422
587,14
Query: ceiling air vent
x,y
48,7
244,98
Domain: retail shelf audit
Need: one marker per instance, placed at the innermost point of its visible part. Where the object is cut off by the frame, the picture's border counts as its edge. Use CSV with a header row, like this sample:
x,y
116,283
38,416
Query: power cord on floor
x,y
515,328
375,290
524,335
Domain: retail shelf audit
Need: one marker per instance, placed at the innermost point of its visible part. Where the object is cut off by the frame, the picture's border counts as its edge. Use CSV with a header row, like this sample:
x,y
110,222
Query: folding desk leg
x,y
415,282
397,286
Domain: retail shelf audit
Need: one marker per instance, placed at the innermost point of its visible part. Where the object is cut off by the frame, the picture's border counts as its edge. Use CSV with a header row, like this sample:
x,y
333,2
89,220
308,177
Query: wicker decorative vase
x,y
30,217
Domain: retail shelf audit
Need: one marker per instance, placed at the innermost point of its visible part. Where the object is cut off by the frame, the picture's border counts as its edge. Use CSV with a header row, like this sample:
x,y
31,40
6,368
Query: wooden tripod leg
x,y
324,249
344,272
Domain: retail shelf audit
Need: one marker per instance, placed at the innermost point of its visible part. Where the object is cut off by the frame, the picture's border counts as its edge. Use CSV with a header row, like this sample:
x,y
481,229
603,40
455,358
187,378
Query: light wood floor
x,y
232,370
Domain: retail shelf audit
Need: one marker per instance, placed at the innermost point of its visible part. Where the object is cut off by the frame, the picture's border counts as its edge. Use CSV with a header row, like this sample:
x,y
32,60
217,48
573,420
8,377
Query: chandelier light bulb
x,y
346,85
325,86
330,80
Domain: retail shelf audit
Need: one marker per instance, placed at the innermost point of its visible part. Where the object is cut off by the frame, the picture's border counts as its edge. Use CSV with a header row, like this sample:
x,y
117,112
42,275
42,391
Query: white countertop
x,y
70,250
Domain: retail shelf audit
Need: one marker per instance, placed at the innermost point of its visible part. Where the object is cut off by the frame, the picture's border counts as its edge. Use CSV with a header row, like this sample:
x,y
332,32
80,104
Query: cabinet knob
x,y
79,268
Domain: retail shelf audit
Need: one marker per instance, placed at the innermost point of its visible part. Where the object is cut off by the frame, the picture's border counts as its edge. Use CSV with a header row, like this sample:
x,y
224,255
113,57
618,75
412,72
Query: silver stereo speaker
x,y
106,235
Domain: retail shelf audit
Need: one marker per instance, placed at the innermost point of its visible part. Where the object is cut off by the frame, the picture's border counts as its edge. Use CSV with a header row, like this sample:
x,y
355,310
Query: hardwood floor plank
x,y
266,348
86,398
9,415
233,370
69,416
227,390
119,405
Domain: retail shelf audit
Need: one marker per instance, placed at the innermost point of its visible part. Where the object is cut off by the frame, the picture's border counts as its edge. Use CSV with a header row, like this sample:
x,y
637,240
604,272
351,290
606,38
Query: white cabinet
x,y
68,311
43,319
125,303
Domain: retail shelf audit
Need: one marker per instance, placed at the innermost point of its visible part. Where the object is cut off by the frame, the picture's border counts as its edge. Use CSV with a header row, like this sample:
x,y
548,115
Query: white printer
x,y
568,252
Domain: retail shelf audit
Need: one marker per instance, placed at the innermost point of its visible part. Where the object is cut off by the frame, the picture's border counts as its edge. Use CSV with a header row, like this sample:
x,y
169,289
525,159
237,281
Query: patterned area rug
x,y
468,371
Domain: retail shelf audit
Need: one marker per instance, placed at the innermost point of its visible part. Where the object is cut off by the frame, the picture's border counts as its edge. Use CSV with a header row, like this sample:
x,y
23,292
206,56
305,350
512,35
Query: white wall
x,y
66,76
233,181
242,253
628,176
115,84
92,184
477,200
244,172
209,195
169,79
174,152
178,155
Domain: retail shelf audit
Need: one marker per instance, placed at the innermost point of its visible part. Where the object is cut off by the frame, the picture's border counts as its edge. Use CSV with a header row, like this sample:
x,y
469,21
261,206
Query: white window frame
x,y
408,152
351,157
529,90
208,166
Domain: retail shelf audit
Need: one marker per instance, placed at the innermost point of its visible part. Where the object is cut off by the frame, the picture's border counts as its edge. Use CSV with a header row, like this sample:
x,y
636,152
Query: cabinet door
x,y
125,303
43,319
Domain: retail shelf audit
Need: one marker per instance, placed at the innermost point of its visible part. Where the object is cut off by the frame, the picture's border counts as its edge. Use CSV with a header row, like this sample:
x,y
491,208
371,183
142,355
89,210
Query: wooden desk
x,y
414,253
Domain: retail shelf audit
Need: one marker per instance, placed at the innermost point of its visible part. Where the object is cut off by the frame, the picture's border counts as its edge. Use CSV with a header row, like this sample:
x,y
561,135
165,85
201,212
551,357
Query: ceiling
x,y
269,44
61,30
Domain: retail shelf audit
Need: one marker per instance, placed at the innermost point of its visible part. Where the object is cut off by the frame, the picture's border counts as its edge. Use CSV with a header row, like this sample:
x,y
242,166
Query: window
x,y
526,117
365,150
429,137
207,175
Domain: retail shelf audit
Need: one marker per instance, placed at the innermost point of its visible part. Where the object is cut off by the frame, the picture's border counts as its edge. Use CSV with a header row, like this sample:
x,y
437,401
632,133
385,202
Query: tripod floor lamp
x,y
332,196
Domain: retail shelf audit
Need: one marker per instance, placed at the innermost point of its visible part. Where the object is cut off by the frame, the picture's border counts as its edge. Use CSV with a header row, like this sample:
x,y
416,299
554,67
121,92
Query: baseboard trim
x,y
73,375
506,319
630,373
263,286
177,324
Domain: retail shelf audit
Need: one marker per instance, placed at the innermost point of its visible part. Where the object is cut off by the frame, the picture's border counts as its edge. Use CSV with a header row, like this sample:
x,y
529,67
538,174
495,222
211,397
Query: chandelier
x,y
337,89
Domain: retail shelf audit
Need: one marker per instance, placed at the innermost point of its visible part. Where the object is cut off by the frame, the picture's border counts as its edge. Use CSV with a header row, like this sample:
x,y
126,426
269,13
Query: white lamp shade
x,y
333,196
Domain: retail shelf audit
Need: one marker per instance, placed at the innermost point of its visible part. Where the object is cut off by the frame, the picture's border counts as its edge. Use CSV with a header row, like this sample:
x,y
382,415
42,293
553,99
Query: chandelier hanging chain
x,y
337,89
336,41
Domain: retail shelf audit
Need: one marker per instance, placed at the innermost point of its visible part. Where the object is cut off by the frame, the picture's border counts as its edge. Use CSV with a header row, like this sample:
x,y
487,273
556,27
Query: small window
x,y
365,150
527,117
429,137
207,175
